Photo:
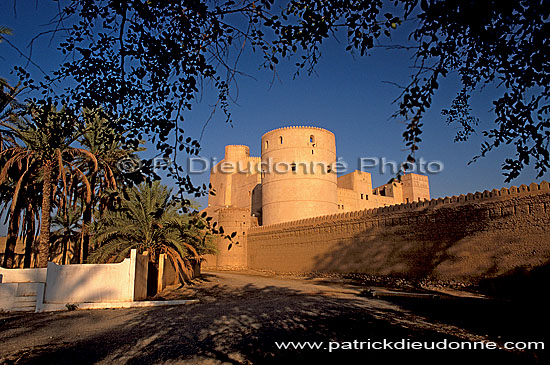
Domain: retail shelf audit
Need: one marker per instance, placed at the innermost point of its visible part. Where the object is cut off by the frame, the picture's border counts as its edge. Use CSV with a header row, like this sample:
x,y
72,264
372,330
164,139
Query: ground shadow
x,y
242,326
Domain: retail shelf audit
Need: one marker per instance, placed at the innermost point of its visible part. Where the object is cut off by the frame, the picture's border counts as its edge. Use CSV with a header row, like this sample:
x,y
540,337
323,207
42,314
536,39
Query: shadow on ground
x,y
241,326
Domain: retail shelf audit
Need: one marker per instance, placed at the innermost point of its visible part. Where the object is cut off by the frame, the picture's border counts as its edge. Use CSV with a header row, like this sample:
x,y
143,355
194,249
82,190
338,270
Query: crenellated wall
x,y
460,237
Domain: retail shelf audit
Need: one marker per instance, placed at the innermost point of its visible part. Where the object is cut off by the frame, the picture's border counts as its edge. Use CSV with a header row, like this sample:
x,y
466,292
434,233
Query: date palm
x,y
102,140
19,209
20,219
45,148
66,234
147,221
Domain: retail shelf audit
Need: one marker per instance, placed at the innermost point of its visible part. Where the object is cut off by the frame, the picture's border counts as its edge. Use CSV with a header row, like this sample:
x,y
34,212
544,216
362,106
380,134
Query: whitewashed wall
x,y
87,283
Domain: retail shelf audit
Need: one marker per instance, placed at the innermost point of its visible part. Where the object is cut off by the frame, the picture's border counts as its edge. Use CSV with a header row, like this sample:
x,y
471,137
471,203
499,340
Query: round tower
x,y
235,153
297,177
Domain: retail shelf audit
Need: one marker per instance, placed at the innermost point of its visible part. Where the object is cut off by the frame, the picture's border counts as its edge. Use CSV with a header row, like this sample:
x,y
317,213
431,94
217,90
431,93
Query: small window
x,y
366,197
361,196
329,169
312,139
266,145
338,206
281,139
312,152
293,167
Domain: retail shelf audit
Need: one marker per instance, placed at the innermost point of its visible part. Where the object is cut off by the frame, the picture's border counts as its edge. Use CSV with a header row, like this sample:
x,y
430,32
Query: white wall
x,y
87,283
21,296
23,275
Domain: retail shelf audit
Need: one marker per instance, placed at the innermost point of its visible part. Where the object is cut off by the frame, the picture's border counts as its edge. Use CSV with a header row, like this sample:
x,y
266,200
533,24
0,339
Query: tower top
x,y
298,127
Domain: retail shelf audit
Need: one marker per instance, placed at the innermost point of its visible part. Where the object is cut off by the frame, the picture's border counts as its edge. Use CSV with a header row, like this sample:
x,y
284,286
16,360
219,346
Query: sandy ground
x,y
242,315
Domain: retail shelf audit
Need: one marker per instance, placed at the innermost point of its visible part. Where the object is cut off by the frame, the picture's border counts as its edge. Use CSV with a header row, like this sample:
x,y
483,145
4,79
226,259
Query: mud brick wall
x,y
456,238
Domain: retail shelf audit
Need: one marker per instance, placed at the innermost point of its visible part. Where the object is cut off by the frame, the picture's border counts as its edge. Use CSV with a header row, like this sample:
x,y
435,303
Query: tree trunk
x,y
11,239
44,242
64,245
29,236
86,221
85,241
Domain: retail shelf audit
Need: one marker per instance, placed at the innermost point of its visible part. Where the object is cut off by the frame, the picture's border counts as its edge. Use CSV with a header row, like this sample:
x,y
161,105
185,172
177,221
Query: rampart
x,y
465,237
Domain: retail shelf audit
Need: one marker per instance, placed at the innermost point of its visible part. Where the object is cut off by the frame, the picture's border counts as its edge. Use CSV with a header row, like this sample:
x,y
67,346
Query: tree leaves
x,y
143,62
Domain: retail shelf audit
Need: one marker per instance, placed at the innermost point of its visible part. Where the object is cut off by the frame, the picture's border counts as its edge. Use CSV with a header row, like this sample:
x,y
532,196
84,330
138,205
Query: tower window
x,y
293,167
266,145
361,196
281,139
312,139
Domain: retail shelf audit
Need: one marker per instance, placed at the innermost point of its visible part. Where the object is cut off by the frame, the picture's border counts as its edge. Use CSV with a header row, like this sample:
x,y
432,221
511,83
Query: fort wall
x,y
463,237
236,220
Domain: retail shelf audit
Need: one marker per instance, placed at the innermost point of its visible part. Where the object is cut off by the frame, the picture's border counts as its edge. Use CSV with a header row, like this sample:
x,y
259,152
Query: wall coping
x,y
486,195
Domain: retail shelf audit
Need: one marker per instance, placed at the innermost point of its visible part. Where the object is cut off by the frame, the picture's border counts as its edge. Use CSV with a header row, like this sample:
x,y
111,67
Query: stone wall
x,y
462,237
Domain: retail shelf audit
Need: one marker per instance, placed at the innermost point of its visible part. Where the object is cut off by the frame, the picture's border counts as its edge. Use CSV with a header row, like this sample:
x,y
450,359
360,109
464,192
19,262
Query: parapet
x,y
493,195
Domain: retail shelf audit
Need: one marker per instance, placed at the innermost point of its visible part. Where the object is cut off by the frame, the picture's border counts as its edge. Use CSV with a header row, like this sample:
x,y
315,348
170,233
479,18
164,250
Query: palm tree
x,y
30,218
15,205
9,109
21,219
66,234
102,140
46,150
147,221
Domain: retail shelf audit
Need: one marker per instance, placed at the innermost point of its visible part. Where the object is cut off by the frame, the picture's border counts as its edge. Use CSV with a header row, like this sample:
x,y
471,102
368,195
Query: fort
x,y
292,218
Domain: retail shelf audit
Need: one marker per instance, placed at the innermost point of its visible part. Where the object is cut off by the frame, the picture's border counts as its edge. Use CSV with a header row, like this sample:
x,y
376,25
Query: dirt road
x,y
242,318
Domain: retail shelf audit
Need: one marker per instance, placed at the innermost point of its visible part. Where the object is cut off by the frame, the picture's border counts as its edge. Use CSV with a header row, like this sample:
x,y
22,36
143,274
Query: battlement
x,y
238,146
485,196
298,127
254,159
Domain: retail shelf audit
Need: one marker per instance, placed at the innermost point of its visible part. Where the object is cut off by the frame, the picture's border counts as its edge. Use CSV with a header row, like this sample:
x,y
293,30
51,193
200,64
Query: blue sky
x,y
348,95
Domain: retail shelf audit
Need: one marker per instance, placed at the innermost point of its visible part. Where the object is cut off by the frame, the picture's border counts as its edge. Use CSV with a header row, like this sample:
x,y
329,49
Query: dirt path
x,y
241,316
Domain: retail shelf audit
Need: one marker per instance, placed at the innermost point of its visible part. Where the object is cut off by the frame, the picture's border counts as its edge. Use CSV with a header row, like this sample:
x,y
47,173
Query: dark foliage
x,y
144,61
